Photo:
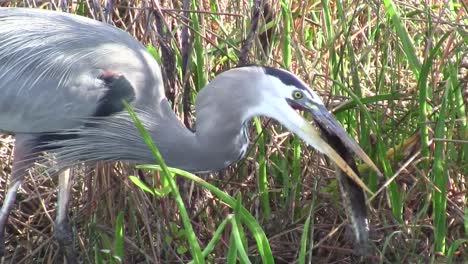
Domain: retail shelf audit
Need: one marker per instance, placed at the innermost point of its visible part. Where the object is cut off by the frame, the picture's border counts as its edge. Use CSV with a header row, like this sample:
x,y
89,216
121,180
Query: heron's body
x,y
63,79
72,54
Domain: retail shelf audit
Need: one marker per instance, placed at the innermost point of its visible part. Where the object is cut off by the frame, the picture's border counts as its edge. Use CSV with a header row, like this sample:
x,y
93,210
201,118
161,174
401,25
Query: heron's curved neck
x,y
217,142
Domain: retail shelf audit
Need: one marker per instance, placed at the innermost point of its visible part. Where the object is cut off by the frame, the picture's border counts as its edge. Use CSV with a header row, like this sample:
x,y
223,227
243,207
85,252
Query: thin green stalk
x,y
304,236
439,177
237,230
195,249
296,182
198,47
262,177
451,251
286,36
404,37
216,236
118,251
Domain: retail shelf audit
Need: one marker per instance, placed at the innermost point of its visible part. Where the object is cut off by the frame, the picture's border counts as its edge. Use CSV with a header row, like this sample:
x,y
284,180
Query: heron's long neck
x,y
222,110
215,148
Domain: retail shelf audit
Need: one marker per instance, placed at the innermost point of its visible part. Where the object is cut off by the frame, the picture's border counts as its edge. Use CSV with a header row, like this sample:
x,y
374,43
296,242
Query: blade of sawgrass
x,y
423,94
262,177
166,189
237,231
154,52
439,176
465,218
232,250
407,44
229,43
443,154
279,170
237,245
453,247
316,36
97,249
330,38
327,20
295,181
118,252
286,33
195,249
241,252
216,236
304,237
200,80
439,164
461,111
273,39
233,245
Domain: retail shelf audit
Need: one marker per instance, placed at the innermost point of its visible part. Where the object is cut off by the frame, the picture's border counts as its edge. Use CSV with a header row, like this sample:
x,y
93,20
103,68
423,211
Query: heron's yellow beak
x,y
326,123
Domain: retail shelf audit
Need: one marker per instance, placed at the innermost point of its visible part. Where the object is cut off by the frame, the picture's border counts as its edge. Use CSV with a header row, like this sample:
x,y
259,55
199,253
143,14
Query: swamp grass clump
x,y
394,74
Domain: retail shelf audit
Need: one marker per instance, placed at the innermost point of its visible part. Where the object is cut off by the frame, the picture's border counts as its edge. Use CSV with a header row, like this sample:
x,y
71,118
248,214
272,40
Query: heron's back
x,y
50,64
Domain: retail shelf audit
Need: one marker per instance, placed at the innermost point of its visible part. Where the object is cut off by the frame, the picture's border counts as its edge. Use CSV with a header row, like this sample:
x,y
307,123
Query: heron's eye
x,y
297,95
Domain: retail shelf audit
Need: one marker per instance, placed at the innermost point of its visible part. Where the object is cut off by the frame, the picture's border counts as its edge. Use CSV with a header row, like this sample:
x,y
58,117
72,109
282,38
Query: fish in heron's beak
x,y
325,128
329,137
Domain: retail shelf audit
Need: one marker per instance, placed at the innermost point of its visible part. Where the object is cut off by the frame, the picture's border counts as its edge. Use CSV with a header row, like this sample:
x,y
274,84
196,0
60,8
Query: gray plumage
x,y
72,53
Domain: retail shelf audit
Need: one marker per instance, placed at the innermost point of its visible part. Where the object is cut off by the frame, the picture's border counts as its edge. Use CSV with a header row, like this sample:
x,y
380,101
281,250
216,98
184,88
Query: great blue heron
x,y
62,81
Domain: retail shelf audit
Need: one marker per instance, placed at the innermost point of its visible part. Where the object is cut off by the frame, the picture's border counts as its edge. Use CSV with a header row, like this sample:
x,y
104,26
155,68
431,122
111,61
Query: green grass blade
x,y
190,234
453,247
407,44
216,236
153,191
461,111
232,249
423,94
154,52
262,177
238,241
286,36
239,236
198,47
465,218
439,176
296,170
233,245
118,237
304,237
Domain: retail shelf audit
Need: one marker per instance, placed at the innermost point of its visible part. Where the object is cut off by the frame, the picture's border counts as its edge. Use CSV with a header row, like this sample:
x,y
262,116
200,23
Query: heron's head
x,y
282,94
237,95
